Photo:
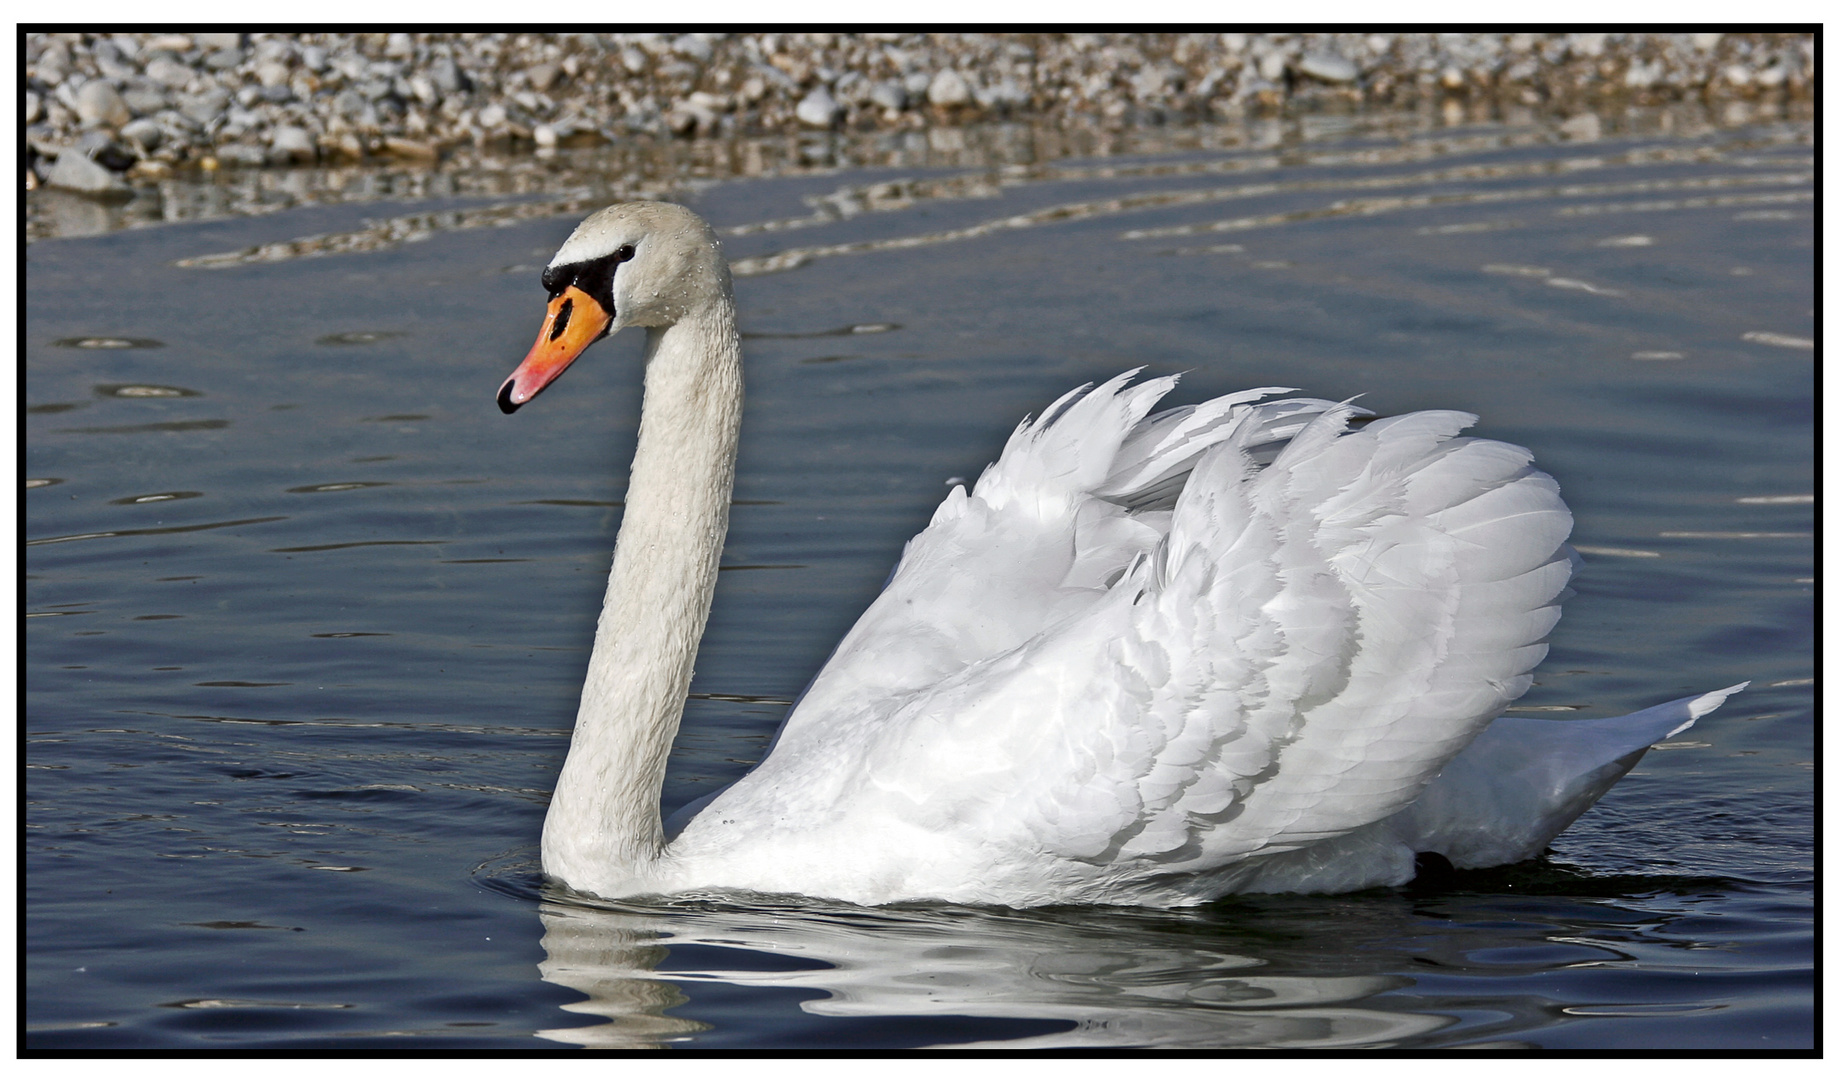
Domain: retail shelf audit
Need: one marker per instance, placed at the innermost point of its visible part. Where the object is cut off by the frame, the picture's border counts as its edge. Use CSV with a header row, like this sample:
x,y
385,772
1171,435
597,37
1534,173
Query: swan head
x,y
631,264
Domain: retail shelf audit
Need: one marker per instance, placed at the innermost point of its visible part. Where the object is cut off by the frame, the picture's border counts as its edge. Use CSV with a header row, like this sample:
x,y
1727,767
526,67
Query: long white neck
x,y
603,828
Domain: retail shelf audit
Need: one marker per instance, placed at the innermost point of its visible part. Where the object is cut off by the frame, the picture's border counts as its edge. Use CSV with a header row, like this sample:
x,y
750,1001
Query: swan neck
x,y
603,830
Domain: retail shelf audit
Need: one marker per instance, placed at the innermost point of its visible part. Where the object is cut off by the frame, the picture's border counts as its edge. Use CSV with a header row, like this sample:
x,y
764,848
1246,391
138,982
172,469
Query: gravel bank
x,y
106,110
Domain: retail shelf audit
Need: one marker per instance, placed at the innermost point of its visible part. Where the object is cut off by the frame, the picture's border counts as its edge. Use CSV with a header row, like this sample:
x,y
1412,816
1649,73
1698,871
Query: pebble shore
x,y
107,111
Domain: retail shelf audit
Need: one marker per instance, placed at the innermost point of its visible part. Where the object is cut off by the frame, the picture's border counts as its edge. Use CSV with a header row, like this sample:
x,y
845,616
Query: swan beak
x,y
573,322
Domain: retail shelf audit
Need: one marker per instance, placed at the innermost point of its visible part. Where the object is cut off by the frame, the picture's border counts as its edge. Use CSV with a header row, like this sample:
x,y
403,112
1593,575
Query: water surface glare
x,y
306,615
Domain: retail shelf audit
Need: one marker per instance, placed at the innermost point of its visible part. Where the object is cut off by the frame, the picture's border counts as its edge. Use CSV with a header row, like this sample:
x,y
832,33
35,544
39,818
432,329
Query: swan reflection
x,y
1102,977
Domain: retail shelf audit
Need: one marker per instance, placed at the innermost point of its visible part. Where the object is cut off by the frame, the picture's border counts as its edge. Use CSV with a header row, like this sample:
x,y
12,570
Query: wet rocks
x,y
75,171
290,145
234,99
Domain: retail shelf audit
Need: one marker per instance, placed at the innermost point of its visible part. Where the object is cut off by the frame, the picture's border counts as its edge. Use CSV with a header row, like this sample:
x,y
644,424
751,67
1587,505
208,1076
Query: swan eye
x,y
624,253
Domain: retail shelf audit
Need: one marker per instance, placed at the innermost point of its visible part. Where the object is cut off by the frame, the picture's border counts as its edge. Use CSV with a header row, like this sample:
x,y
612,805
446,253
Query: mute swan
x,y
1148,659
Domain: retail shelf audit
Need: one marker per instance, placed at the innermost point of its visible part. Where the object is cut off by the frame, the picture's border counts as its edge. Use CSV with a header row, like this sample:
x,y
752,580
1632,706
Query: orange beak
x,y
573,322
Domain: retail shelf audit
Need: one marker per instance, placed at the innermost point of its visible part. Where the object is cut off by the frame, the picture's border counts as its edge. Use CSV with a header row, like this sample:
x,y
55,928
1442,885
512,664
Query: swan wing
x,y
1291,652
1076,494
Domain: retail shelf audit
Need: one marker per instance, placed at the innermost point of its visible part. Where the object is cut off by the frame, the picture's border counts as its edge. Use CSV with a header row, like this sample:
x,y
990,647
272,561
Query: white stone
x,y
291,144
694,47
1328,67
818,109
949,88
544,135
169,72
145,132
76,172
35,107
98,105
889,95
1589,45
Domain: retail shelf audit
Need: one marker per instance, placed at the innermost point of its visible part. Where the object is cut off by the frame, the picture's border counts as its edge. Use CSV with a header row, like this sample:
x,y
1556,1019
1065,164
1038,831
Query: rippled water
x,y
306,615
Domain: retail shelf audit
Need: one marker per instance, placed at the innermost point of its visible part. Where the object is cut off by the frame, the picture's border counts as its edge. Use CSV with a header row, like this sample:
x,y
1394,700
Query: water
x,y
306,615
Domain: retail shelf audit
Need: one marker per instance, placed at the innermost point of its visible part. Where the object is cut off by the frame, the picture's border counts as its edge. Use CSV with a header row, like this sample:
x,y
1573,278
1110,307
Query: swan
x,y
1250,645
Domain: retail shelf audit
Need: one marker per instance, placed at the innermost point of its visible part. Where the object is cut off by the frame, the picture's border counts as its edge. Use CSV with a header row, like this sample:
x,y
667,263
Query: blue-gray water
x,y
306,615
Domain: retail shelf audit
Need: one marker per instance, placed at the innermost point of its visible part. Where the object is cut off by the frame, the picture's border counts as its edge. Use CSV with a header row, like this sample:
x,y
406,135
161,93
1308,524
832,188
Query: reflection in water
x,y
1111,977
1480,958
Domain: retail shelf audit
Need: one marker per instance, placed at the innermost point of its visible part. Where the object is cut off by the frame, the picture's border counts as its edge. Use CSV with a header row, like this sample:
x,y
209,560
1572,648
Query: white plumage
x,y
1149,658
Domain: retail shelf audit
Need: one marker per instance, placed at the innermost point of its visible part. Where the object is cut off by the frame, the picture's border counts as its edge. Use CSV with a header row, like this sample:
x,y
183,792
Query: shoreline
x,y
106,113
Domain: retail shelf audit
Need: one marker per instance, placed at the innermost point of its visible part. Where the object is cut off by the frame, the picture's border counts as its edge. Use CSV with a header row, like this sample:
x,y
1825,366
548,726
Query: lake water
x,y
306,616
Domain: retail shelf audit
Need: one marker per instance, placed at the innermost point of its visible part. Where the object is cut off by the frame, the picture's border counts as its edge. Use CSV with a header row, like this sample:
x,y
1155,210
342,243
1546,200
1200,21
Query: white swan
x,y
1149,659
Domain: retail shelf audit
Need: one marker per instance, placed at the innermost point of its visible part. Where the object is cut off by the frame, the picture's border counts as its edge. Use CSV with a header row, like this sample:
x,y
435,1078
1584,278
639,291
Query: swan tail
x,y
1524,780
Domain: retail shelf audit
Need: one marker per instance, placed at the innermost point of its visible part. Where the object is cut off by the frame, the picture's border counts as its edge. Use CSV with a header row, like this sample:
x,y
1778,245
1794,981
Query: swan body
x,y
1150,658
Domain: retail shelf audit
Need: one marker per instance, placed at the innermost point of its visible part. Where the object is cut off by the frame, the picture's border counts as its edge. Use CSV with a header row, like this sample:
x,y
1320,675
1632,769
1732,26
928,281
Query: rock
x,y
145,100
492,115
1584,127
1328,67
224,59
1589,45
541,76
544,135
242,155
692,47
917,84
203,108
272,73
410,148
98,105
1705,42
289,145
218,41
35,107
76,172
818,109
169,72
1640,75
949,89
314,58
175,43
445,75
400,46
145,133
889,95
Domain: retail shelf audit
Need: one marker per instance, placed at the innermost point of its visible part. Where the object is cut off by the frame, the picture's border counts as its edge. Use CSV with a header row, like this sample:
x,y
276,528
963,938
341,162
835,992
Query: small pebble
x,y
1328,67
145,133
949,89
818,109
290,145
98,105
76,172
